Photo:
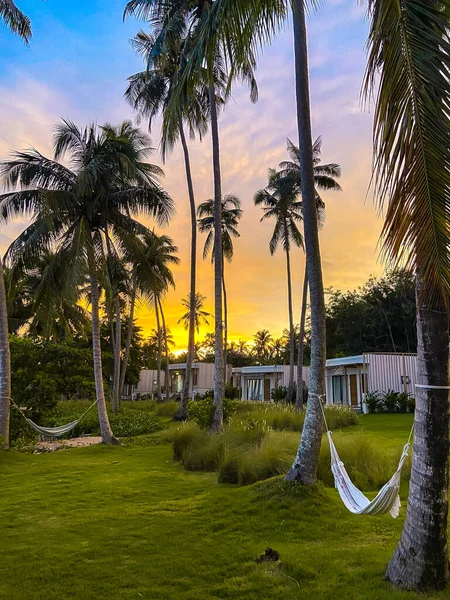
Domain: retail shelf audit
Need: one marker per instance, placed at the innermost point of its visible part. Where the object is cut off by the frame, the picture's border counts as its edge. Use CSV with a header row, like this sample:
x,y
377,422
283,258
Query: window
x,y
364,383
177,383
194,377
254,389
338,386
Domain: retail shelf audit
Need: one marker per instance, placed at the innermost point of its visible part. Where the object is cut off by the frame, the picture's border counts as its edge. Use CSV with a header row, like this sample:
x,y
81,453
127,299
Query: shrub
x,y
271,456
374,401
140,397
202,411
198,450
195,448
405,402
390,401
128,422
166,409
279,394
206,395
397,402
232,392
249,450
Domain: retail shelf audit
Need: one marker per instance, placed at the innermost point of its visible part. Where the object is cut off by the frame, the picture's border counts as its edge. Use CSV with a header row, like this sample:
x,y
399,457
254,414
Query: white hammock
x,y
386,501
53,432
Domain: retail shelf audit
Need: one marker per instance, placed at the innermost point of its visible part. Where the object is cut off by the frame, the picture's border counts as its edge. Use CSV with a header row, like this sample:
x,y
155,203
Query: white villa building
x,y
257,382
350,377
202,379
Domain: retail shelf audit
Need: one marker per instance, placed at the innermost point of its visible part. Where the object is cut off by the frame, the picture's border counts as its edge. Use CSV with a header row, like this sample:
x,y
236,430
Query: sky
x,y
76,67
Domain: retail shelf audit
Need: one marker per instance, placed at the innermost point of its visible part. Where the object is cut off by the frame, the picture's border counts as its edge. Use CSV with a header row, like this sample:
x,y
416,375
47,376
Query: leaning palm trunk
x,y
166,351
225,327
290,392
105,427
159,358
305,464
182,412
421,558
5,366
301,341
126,354
117,348
217,423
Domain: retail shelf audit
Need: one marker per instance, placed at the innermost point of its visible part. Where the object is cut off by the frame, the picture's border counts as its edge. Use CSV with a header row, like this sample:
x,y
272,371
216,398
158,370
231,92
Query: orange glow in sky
x,y
81,82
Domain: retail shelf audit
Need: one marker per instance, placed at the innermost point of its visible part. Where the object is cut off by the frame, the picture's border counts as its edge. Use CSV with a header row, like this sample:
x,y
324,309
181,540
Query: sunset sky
x,y
76,67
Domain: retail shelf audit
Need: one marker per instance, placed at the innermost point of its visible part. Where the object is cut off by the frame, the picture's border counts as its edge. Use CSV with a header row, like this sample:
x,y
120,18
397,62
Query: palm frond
x,y
15,19
408,51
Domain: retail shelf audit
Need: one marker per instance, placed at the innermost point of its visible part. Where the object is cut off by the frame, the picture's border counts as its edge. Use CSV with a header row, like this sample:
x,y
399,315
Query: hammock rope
x,y
53,432
386,501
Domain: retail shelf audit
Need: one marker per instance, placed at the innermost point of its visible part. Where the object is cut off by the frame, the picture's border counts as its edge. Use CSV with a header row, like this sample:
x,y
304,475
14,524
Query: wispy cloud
x,y
86,81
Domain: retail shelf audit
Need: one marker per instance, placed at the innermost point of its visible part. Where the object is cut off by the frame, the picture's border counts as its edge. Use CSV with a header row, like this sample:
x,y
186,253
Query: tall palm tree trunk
x,y
225,325
105,427
301,342
159,358
166,351
421,559
117,349
5,366
130,329
217,423
182,412
290,393
305,464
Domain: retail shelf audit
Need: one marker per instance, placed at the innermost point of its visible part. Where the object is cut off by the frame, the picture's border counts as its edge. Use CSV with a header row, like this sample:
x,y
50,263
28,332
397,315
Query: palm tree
x,y
15,20
153,276
201,316
148,278
76,208
324,179
279,201
231,215
37,303
241,26
149,93
408,56
162,340
262,343
172,18
19,24
115,282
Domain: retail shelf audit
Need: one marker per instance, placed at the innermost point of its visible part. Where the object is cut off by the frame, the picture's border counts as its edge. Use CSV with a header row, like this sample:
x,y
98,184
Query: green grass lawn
x,y
127,522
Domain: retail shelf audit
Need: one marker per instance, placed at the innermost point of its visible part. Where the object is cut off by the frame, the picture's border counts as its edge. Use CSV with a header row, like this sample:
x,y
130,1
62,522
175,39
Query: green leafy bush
x,y
390,401
128,422
279,394
202,411
405,402
395,402
232,392
374,401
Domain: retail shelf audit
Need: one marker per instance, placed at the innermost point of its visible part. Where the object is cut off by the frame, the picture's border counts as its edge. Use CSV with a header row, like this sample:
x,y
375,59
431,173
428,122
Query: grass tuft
x,y
166,409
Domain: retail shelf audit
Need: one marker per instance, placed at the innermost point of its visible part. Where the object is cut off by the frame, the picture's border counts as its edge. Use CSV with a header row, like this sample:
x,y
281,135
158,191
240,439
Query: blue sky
x,y
76,67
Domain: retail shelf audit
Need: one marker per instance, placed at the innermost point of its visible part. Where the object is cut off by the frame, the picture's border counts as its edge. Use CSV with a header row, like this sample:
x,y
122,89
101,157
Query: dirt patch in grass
x,y
80,442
